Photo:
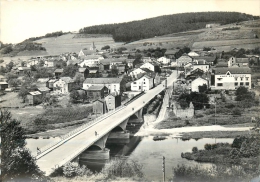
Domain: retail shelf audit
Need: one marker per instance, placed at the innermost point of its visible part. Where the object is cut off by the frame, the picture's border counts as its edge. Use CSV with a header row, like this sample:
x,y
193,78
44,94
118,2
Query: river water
x,y
147,152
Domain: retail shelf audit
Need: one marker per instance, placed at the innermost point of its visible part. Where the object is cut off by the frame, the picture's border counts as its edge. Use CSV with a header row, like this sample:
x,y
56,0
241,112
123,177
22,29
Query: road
x,y
73,147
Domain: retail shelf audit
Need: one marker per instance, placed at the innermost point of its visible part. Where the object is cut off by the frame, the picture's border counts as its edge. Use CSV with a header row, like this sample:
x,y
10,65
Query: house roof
x,y
3,83
93,71
43,89
239,70
52,80
42,80
200,78
103,80
82,70
206,58
171,52
92,57
24,68
88,52
96,87
76,61
242,60
35,93
58,70
222,64
67,79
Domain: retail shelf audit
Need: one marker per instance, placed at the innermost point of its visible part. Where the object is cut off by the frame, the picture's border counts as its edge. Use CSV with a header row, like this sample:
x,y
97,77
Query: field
x,y
74,43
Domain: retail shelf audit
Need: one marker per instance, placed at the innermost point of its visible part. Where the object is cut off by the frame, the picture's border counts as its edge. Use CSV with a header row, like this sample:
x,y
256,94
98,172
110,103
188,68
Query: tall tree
x,y
17,163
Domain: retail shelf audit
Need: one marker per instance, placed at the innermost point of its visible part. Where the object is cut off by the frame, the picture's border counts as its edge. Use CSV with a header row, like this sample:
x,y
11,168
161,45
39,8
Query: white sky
x,y
21,19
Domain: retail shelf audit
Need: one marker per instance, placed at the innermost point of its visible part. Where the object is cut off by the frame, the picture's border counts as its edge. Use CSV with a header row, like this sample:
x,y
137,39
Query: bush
x,y
230,106
207,146
195,149
236,111
73,169
187,122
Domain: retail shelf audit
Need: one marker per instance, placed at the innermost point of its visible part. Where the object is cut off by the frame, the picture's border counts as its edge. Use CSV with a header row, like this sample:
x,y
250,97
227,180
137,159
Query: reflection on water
x,y
149,153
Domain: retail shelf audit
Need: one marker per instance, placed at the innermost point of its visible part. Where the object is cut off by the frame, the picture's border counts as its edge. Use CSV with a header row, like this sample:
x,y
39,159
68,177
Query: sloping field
x,y
74,43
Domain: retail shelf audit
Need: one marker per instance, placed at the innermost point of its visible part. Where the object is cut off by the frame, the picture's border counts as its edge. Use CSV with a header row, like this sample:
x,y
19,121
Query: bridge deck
x,y
73,147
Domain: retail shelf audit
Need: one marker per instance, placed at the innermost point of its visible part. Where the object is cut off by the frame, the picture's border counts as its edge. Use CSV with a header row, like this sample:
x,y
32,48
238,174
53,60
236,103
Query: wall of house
x,y
183,60
98,108
148,66
196,83
205,68
233,81
143,84
113,87
110,102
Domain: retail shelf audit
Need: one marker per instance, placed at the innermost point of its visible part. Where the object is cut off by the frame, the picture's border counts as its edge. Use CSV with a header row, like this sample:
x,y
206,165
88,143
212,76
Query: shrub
x,y
195,149
187,122
236,111
73,169
207,146
237,142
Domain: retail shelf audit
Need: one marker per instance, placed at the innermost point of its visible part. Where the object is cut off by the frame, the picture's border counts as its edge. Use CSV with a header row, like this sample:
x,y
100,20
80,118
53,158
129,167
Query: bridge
x,y
84,140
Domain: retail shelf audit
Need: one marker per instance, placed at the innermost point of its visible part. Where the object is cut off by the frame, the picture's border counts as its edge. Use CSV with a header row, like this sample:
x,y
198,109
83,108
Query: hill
x,y
136,30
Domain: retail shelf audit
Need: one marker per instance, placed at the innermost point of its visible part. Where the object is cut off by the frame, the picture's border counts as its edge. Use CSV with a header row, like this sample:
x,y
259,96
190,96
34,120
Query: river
x,y
148,152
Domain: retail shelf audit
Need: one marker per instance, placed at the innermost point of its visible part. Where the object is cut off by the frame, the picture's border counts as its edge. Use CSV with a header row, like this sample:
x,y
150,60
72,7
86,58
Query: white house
x,y
136,72
204,67
143,84
147,59
198,82
231,78
32,63
238,62
151,66
91,60
113,84
63,85
164,60
49,63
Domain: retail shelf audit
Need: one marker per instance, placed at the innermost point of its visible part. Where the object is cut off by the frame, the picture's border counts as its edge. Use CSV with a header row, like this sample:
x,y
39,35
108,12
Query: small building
x,y
145,83
3,85
112,101
136,72
42,82
50,83
44,90
151,66
198,82
49,63
34,97
164,60
58,72
183,60
63,85
99,107
84,72
97,92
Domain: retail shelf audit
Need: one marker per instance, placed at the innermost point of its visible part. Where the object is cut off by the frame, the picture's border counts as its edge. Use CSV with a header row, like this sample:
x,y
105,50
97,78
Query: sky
x,y
22,19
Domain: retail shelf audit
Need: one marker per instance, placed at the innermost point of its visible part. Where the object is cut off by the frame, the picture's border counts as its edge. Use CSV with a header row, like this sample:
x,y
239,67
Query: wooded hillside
x,y
136,30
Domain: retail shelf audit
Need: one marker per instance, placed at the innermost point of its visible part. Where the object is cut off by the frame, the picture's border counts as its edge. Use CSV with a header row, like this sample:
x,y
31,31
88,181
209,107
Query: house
x,y
49,63
203,67
136,72
151,66
108,63
63,85
34,97
171,53
210,60
164,60
194,74
3,85
193,54
113,84
198,82
32,63
84,72
50,83
130,63
58,72
74,62
147,59
183,60
142,84
222,64
238,62
97,92
24,71
93,73
42,82
230,78
44,90
99,107
91,60
112,101
85,52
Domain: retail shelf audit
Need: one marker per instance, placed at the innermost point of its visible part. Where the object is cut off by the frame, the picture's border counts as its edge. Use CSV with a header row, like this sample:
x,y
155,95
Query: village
x,y
107,78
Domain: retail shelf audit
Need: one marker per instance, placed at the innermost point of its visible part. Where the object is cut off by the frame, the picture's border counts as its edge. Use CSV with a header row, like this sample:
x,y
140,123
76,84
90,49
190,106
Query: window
x,y
241,78
241,83
235,78
219,79
220,84
144,82
247,78
236,84
247,83
134,82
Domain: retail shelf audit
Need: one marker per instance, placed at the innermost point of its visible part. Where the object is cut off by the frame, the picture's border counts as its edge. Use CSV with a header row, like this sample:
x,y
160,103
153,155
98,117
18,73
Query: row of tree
x,y
136,30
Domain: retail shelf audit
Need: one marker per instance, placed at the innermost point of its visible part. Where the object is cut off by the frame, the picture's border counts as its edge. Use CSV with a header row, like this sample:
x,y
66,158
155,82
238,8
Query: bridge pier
x,y
97,150
139,113
116,136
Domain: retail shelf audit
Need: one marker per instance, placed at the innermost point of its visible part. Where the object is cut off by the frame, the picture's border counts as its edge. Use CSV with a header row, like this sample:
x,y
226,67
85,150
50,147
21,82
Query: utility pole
x,y
215,109
163,168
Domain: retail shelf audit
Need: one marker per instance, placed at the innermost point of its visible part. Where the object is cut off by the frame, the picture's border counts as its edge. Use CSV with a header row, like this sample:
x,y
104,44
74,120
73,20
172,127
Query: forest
x,y
147,28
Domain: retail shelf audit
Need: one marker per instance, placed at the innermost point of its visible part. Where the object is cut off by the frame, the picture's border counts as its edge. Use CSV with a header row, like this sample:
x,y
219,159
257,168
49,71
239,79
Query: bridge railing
x,y
81,128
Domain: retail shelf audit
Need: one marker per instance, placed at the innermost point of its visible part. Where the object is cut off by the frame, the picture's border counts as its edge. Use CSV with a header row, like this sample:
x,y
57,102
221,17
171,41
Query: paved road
x,y
73,147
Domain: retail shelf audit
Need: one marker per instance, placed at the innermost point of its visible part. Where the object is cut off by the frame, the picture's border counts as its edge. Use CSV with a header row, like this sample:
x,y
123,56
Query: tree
x,y
70,71
74,96
105,47
10,76
17,162
203,88
7,50
14,82
9,66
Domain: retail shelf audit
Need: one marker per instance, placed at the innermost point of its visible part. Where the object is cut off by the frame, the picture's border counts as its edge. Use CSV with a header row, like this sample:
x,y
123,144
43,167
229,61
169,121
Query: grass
x,y
11,99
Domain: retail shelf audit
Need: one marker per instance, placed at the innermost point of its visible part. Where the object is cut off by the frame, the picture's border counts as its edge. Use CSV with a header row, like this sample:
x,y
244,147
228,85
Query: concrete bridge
x,y
86,144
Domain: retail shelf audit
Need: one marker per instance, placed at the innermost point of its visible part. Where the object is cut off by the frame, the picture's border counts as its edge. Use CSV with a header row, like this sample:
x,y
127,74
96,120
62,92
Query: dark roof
x,y
103,80
242,60
239,70
222,64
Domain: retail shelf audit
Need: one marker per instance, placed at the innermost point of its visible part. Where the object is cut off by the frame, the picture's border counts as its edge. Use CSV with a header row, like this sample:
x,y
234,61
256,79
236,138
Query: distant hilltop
x,y
147,28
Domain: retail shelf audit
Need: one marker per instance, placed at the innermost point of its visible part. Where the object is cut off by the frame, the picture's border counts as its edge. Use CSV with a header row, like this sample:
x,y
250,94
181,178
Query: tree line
x,y
147,28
